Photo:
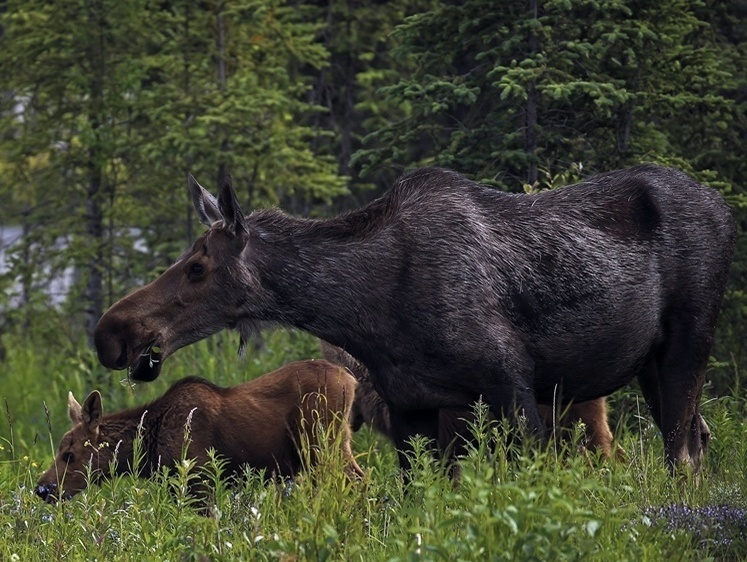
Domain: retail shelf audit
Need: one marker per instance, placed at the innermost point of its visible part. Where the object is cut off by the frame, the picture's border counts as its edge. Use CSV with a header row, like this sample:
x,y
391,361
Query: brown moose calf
x,y
260,423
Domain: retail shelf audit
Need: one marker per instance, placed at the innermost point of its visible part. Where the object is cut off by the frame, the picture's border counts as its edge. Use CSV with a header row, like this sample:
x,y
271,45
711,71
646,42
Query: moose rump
x,y
448,291
264,423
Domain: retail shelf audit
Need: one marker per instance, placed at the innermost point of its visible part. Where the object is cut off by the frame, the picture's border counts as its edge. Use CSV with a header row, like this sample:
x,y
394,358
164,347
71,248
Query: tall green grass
x,y
517,501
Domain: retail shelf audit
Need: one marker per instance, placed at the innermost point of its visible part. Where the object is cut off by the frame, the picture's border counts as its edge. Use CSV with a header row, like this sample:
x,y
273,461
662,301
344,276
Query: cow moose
x,y
262,423
448,290
370,408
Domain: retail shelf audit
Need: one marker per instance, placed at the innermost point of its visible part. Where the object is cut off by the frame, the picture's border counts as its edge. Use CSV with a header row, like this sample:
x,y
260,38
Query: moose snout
x,y
111,348
112,354
47,492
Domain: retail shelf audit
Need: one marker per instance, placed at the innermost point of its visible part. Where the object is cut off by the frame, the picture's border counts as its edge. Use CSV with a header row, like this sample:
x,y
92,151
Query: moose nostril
x,y
121,361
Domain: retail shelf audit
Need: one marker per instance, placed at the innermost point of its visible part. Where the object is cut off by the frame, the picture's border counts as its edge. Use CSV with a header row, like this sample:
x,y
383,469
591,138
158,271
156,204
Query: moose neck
x,y
121,430
324,276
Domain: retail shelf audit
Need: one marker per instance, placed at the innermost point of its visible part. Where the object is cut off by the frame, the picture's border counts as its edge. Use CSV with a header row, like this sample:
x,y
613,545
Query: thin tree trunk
x,y
222,82
625,121
95,231
94,210
27,276
188,117
348,117
530,130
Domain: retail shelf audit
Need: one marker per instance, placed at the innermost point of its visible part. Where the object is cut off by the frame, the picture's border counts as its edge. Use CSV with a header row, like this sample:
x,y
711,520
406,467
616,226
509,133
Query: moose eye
x,y
195,271
68,457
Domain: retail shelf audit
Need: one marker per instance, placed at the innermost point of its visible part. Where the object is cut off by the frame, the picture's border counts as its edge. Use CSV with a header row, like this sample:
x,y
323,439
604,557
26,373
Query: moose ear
x,y
228,204
74,409
205,204
92,411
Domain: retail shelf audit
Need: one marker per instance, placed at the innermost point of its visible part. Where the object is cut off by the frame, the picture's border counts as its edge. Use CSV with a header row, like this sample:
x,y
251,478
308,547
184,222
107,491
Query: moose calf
x,y
369,408
260,423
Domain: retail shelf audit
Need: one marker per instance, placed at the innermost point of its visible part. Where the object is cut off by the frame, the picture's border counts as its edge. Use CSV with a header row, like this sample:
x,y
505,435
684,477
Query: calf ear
x,y
205,204
92,411
228,204
73,409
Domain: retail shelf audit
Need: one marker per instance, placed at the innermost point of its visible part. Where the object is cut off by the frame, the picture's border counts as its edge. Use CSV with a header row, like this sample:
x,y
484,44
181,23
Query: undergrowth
x,y
514,499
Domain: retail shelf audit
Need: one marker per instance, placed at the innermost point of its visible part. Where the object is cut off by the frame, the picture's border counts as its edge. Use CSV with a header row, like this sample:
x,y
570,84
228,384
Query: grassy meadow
x,y
513,502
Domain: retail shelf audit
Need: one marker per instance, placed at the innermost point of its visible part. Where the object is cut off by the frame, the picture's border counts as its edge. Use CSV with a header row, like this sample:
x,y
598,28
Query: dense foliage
x,y
515,502
106,105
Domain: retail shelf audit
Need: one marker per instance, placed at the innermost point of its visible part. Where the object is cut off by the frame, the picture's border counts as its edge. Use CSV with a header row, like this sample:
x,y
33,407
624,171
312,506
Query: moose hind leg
x,y
681,368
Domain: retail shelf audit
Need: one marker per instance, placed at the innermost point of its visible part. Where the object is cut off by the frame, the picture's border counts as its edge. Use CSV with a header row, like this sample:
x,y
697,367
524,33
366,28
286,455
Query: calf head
x,y
81,455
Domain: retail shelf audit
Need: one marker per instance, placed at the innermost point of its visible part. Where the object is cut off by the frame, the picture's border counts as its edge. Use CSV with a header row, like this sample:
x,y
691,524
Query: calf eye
x,y
68,457
196,271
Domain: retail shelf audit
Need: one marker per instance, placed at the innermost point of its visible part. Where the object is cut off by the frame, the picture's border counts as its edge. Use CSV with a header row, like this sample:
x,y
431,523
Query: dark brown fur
x,y
261,423
448,291
370,408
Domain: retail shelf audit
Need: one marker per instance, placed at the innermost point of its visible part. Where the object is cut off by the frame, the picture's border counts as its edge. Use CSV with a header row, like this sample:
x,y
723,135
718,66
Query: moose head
x,y
202,293
82,454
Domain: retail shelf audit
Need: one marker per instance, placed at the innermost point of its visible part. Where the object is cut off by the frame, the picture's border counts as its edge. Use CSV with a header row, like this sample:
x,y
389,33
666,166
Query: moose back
x,y
449,291
263,423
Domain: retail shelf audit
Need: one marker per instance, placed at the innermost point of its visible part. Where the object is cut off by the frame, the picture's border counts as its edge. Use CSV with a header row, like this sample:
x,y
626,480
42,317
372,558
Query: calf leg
x,y
593,414
353,470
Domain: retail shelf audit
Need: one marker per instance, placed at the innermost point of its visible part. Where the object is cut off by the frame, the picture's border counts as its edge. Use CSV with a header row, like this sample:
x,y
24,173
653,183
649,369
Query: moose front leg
x,y
405,426
509,390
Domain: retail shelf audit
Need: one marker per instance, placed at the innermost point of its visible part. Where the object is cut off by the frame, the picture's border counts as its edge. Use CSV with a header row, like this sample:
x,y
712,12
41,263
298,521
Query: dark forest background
x,y
317,106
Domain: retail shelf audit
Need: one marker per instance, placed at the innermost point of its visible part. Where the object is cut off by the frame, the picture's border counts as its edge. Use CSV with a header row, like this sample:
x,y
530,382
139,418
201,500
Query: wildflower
x,y
288,488
720,523
188,425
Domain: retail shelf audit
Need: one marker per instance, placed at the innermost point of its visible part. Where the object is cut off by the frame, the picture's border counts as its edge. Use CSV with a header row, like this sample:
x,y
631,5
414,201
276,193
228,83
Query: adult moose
x,y
448,290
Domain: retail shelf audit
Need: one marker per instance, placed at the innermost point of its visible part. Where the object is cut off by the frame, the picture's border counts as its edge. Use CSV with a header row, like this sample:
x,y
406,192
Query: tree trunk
x,y
348,116
222,82
530,126
188,118
95,231
94,210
